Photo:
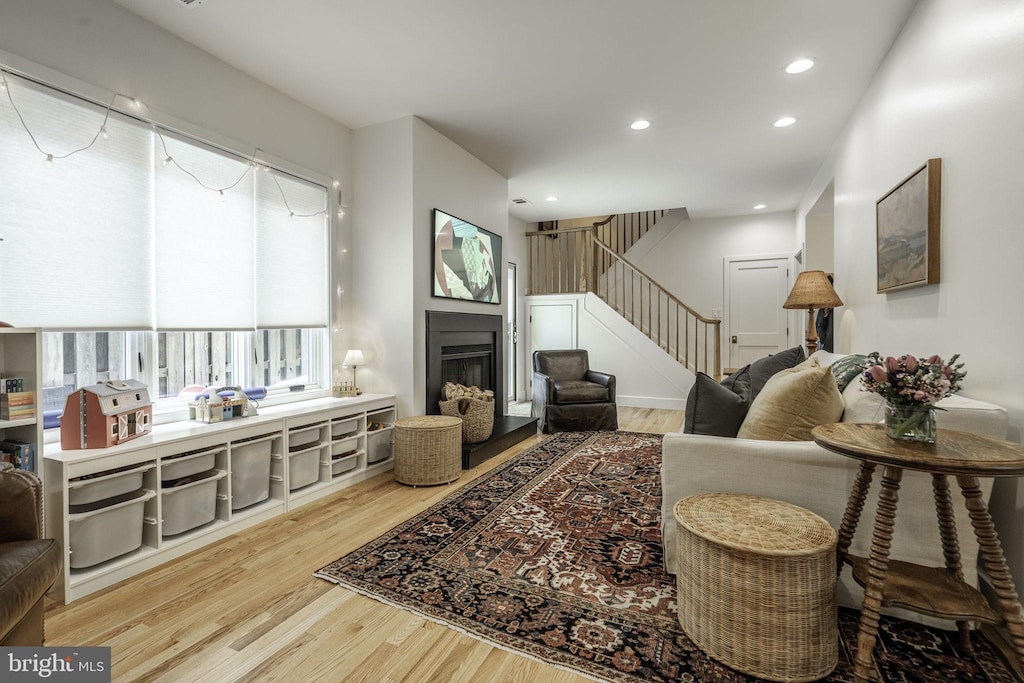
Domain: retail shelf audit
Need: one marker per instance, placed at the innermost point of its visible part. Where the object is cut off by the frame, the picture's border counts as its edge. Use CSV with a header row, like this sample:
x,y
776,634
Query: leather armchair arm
x,y
21,517
543,390
605,380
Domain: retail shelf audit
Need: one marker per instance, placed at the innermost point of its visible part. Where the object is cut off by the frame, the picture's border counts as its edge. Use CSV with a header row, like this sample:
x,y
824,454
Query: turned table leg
x,y
851,517
878,567
994,561
950,547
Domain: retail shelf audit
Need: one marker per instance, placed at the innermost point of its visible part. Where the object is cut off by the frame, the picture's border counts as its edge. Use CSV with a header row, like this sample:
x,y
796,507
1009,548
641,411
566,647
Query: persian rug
x,y
556,555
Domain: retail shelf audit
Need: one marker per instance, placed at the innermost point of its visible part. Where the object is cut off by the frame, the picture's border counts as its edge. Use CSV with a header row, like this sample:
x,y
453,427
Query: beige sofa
x,y
805,474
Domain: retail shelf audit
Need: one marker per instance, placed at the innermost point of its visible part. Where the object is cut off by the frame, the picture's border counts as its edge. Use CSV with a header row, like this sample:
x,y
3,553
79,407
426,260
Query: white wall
x,y
96,48
951,87
404,169
383,270
689,260
819,243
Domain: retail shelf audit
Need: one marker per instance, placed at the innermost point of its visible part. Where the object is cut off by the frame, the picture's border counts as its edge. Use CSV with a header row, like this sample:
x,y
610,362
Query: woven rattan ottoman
x,y
428,450
757,585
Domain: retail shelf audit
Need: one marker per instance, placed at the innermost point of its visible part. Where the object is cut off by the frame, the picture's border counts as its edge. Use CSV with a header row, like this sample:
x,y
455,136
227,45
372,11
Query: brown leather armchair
x,y
570,397
28,564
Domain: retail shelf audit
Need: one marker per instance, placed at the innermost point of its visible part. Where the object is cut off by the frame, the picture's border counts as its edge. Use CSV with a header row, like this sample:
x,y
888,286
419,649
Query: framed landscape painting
x,y
467,260
907,222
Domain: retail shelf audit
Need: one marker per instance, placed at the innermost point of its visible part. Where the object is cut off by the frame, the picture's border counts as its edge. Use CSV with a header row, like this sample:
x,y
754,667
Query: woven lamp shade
x,y
812,290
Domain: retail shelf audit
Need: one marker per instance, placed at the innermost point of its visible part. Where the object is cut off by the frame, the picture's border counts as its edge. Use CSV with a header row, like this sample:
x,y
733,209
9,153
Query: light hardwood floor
x,y
248,608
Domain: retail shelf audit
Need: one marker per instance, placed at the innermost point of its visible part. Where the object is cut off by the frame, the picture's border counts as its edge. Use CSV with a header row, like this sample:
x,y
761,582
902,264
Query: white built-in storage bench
x,y
122,510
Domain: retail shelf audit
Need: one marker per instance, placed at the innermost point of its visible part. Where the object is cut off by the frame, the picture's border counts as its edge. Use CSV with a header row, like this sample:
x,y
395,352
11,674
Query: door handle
x,y
735,340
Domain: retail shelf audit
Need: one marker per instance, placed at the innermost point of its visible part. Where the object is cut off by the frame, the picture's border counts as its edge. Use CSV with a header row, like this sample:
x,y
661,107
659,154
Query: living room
x,y
949,88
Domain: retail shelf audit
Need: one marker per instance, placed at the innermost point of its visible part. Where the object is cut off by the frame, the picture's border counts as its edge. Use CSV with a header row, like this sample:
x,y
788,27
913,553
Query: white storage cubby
x,y
273,462
380,440
21,357
188,506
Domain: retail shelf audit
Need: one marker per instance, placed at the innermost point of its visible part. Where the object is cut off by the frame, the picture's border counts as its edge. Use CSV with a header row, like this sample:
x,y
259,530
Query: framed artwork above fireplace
x,y
467,260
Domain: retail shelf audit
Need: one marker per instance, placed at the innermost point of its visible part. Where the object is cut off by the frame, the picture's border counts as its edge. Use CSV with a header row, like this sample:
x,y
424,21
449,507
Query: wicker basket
x,y
428,450
757,585
477,420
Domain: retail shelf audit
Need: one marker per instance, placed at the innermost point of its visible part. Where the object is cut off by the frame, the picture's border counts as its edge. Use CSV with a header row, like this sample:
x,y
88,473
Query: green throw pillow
x,y
847,368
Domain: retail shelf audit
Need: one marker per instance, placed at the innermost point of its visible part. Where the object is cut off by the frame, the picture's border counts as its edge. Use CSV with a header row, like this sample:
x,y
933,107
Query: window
x,y
280,360
198,266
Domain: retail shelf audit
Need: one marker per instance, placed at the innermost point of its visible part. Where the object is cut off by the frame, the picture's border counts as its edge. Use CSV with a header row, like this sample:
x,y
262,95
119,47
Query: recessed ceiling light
x,y
798,66
551,198
785,121
640,124
760,206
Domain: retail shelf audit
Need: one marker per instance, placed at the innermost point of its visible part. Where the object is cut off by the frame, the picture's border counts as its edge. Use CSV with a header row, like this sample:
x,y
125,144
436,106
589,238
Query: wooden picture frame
x,y
907,230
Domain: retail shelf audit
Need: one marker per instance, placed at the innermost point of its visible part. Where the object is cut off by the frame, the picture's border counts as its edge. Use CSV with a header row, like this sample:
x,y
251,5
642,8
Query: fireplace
x,y
469,349
465,348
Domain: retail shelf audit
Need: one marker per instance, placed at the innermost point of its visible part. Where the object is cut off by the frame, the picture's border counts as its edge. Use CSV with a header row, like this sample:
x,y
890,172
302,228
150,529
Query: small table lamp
x,y
353,359
812,290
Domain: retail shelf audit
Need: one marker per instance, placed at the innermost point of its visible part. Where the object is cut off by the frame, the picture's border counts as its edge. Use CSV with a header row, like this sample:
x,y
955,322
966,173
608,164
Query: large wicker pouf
x,y
757,585
428,450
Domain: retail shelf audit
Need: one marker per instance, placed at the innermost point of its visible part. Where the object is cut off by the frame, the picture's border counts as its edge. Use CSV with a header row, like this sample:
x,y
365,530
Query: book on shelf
x,y
17,405
9,385
21,454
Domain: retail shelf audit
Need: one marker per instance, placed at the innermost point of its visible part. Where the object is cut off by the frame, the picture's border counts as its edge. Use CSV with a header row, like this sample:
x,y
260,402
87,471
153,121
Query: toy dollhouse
x,y
106,414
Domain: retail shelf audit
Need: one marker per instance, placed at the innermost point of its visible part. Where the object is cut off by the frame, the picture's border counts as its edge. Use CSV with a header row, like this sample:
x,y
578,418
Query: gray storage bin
x,y
344,427
89,490
378,446
303,468
103,530
305,436
190,505
343,465
250,471
187,464
344,445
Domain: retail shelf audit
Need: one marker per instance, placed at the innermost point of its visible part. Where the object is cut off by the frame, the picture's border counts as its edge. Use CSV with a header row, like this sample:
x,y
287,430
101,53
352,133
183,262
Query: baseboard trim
x,y
651,402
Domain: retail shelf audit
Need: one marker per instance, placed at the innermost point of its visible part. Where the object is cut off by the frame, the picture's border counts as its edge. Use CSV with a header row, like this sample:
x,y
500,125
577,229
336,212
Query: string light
x,y
252,165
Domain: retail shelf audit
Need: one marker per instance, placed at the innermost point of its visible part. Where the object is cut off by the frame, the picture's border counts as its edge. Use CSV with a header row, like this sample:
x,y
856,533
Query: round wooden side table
x,y
428,450
939,592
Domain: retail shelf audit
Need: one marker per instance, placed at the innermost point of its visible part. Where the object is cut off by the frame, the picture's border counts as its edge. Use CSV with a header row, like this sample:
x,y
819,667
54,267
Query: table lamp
x,y
812,290
353,359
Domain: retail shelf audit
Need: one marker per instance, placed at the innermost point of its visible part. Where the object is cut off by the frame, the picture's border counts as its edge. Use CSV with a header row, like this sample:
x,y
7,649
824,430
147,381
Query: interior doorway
x,y
512,301
756,323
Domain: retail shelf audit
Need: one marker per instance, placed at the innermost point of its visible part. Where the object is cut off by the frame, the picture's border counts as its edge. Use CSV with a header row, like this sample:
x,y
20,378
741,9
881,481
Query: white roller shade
x,y
77,249
291,253
204,239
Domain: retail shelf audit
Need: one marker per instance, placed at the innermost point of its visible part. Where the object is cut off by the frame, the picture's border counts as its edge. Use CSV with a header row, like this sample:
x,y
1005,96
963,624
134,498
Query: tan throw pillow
x,y
792,403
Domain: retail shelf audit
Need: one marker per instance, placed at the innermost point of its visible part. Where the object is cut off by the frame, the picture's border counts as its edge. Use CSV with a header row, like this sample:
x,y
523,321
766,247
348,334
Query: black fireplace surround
x,y
469,348
465,348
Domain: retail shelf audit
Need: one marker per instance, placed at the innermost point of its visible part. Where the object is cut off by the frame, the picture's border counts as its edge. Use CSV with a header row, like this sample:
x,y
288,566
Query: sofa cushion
x,y
579,391
793,402
848,369
862,405
764,369
717,409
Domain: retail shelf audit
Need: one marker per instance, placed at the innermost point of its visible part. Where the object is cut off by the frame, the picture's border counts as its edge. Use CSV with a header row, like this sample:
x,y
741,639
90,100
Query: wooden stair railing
x,y
575,261
621,231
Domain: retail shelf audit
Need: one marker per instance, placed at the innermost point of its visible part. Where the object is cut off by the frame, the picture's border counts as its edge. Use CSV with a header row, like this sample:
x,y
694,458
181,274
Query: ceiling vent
x,y
520,200
191,4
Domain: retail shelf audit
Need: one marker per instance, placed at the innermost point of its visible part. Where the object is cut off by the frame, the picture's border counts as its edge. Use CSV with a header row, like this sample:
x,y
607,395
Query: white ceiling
x,y
543,91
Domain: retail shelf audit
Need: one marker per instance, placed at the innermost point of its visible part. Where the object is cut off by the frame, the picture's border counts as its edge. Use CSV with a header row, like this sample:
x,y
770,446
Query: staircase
x,y
588,259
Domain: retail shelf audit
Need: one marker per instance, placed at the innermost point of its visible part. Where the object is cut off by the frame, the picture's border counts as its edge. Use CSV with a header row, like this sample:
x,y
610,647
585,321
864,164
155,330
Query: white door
x,y
552,326
755,289
512,299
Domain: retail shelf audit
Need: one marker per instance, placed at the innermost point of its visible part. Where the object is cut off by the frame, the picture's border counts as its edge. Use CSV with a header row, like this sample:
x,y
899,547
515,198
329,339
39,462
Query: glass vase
x,y
910,422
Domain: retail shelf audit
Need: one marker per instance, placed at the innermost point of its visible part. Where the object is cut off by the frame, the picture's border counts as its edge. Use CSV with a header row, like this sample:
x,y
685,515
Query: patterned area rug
x,y
557,555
